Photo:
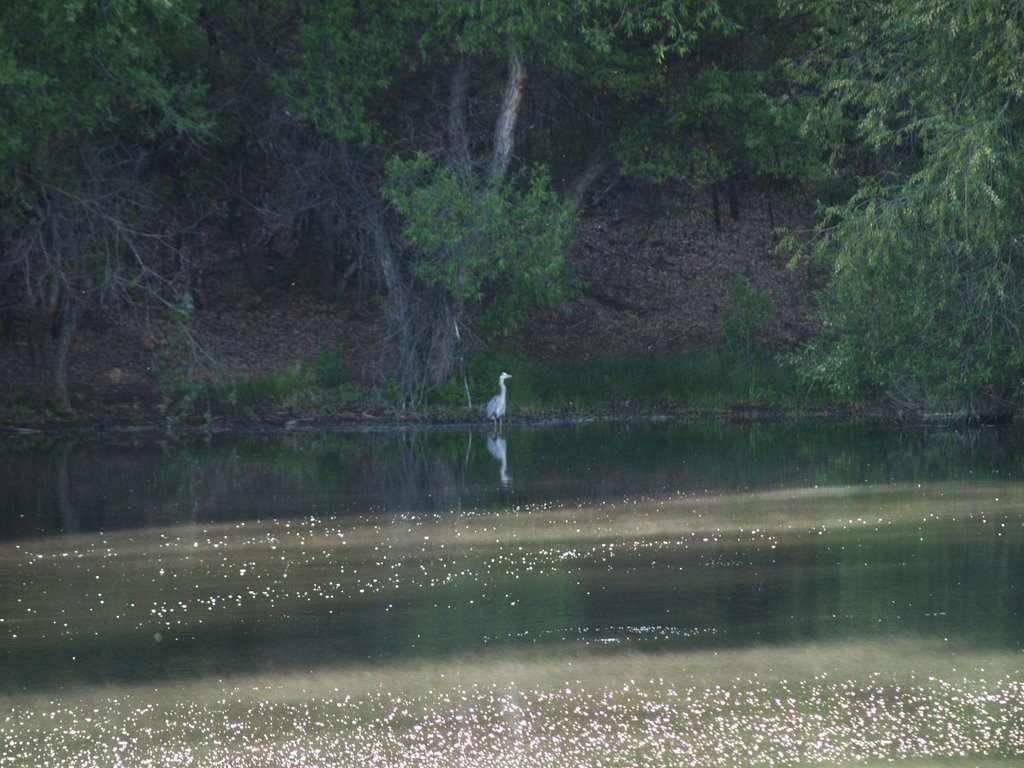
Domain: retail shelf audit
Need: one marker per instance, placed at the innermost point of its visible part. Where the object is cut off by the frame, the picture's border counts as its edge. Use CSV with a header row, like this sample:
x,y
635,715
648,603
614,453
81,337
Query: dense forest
x,y
440,157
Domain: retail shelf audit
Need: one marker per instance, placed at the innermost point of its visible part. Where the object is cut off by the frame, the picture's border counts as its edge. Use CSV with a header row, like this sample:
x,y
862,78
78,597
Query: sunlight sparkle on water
x,y
809,722
623,634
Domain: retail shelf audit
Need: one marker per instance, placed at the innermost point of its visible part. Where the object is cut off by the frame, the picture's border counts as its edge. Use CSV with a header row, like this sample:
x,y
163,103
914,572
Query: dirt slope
x,y
655,276
658,280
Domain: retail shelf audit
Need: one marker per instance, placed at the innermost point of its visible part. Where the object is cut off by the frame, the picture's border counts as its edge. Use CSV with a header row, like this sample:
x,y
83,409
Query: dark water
x,y
622,594
84,486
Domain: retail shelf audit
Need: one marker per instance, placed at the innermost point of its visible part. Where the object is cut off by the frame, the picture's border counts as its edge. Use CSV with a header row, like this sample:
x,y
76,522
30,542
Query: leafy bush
x,y
500,251
926,304
329,366
927,298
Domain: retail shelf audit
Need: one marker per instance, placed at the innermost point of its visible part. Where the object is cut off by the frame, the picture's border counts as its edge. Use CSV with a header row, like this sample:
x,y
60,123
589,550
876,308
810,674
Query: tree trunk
x,y
44,301
70,316
458,136
597,164
423,320
716,210
397,306
40,343
504,129
403,365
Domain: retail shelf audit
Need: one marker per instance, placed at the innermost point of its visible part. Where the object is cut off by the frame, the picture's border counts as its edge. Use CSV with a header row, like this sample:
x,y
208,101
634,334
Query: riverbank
x,y
382,420
667,307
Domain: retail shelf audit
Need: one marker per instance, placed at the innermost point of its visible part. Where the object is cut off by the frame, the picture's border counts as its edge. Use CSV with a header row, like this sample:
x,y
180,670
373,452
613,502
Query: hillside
x,y
655,276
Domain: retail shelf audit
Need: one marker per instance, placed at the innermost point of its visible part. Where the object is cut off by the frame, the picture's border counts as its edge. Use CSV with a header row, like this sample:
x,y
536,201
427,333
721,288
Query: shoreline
x,y
364,422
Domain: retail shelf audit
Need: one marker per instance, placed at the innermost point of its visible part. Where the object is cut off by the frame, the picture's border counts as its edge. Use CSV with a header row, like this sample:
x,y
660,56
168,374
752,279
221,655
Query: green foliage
x,y
388,393
707,380
743,325
113,115
721,107
927,296
501,251
450,395
346,56
329,366
95,100
274,120
296,390
71,70
744,316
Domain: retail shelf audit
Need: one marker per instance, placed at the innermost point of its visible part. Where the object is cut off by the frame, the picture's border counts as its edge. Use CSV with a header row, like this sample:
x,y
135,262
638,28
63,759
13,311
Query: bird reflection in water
x,y
498,448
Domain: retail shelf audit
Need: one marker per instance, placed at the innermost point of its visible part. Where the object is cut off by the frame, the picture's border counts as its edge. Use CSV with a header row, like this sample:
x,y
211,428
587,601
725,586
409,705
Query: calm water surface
x,y
706,595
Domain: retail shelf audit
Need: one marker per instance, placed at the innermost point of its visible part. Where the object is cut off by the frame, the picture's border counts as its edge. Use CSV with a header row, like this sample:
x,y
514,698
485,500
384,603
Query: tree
x,y
457,228
94,107
439,151
926,303
712,107
497,251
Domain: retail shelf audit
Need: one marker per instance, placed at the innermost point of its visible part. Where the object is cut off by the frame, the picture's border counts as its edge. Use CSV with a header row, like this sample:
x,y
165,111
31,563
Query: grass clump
x,y
714,380
742,371
317,385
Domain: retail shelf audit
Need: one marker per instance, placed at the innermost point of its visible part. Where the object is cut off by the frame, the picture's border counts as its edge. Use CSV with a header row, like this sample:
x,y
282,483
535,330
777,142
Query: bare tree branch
x,y
597,165
504,129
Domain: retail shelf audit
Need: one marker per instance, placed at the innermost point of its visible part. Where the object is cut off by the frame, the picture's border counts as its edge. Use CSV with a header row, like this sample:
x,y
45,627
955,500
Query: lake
x,y
621,594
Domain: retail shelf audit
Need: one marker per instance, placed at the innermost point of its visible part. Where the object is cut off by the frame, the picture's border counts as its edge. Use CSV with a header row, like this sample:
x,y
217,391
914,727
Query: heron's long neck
x,y
501,386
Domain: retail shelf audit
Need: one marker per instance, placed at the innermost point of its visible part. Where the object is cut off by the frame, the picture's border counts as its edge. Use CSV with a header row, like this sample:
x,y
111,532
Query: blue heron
x,y
496,405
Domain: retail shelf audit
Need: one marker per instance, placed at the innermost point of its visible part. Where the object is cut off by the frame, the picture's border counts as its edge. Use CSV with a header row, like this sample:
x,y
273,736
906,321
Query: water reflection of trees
x,y
87,485
116,483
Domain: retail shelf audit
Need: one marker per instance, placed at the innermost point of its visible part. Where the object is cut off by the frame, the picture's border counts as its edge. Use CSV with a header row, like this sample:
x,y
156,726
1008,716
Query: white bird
x,y
498,448
496,405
